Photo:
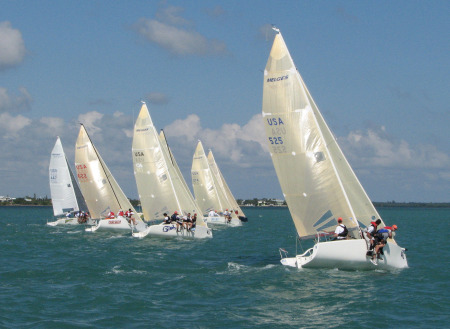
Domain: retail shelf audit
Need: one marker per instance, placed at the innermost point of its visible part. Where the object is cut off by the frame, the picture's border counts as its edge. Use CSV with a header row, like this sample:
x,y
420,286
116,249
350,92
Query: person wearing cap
x,y
381,240
341,231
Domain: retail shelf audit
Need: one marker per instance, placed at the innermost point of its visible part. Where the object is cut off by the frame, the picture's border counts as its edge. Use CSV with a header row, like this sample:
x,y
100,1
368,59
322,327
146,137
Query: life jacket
x,y
111,214
345,232
120,213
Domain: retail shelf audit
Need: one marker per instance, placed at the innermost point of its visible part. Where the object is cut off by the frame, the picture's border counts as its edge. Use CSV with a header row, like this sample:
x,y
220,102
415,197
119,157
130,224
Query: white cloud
x,y
89,121
15,104
165,31
57,125
10,125
375,148
12,46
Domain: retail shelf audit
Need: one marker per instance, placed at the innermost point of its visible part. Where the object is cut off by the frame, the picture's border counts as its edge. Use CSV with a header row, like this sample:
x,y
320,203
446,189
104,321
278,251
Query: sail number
x,y
82,171
276,140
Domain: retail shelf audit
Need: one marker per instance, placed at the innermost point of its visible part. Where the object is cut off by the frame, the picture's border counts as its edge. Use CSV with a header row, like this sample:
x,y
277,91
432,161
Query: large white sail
x,y
206,191
160,184
318,183
229,200
65,193
100,189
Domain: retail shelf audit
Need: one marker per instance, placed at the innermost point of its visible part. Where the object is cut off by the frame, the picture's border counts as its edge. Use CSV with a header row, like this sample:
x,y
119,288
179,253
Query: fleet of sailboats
x,y
211,192
66,196
317,181
100,189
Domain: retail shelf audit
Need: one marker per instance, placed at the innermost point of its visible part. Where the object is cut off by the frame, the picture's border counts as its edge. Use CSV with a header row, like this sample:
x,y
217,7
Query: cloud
x,y
12,46
383,163
15,104
11,126
215,12
89,121
169,31
157,98
375,148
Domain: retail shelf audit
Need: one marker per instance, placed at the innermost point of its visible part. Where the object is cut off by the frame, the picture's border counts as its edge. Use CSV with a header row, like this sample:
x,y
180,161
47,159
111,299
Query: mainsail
x,y
161,186
317,182
207,193
229,200
66,195
100,189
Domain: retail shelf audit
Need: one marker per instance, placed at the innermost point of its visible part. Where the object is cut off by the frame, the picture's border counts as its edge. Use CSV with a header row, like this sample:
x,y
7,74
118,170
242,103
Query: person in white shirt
x,y
341,231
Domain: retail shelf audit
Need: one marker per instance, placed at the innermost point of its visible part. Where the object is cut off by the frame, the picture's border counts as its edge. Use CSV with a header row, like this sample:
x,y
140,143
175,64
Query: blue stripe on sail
x,y
324,218
331,223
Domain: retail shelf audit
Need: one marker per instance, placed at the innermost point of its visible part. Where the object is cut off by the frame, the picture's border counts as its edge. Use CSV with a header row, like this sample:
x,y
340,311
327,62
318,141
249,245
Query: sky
x,y
378,71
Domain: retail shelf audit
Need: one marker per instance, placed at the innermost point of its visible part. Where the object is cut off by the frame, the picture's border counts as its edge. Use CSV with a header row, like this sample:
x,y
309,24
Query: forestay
x,y
311,167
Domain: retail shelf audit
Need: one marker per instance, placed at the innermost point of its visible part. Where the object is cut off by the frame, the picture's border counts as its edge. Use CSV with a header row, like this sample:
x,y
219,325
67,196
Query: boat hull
x,y
220,220
119,223
348,254
170,230
67,221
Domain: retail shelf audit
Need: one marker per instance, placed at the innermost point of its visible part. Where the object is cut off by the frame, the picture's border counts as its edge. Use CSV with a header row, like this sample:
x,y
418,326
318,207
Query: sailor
x,y
369,233
381,240
187,220
166,219
120,213
193,223
129,214
111,215
227,215
341,231
213,213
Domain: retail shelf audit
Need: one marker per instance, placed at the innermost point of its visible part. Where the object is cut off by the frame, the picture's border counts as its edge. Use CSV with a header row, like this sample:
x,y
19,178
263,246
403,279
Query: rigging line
x,y
101,163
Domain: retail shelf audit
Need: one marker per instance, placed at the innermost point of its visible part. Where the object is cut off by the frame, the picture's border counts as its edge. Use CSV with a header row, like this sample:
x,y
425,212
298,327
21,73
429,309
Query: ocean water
x,y
63,277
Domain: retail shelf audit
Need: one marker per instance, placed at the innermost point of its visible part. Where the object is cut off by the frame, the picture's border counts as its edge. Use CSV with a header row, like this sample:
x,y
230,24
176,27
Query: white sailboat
x,y
317,181
232,204
162,188
100,189
66,195
209,190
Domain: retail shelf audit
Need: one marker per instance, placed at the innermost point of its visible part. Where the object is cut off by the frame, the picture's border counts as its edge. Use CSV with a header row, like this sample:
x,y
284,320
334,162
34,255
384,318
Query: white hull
x,y
347,254
222,221
67,221
170,230
119,223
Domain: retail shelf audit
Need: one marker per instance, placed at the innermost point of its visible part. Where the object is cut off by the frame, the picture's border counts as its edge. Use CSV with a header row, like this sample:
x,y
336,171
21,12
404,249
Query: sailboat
x,y
66,195
100,189
317,181
209,190
161,186
233,205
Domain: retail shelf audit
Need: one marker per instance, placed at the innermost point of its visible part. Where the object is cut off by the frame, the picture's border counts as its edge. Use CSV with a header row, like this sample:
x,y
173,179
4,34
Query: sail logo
x,y
275,121
81,166
139,130
139,154
81,147
284,77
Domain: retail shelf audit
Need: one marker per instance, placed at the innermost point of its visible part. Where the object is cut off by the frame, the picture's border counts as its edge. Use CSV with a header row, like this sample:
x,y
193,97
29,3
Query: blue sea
x,y
63,277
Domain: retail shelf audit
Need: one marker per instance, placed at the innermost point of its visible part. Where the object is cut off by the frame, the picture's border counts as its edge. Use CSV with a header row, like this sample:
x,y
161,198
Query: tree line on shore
x,y
255,202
